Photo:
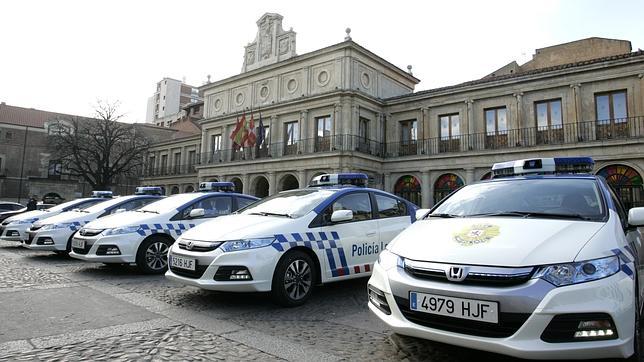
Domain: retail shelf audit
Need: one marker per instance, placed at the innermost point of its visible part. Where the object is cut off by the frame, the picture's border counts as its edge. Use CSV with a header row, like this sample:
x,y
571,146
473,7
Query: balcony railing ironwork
x,y
569,133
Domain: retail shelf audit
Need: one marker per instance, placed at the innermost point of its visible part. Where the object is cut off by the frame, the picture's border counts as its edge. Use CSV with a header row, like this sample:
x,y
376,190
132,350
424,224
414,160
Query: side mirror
x,y
636,216
420,213
118,211
195,213
341,215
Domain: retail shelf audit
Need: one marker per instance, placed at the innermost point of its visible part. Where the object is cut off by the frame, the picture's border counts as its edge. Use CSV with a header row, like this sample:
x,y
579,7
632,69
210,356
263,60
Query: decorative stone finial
x,y
409,70
208,78
348,31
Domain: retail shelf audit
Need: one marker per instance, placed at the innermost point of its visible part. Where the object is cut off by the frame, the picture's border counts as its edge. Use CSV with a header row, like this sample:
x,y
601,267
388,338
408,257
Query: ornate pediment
x,y
271,45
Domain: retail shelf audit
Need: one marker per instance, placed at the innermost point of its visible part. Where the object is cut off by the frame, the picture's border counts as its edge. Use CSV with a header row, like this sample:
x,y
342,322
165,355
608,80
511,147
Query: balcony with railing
x,y
573,133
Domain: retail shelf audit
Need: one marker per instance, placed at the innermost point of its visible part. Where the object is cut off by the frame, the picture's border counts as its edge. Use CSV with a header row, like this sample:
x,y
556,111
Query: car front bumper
x,y
128,245
15,232
47,240
260,263
613,296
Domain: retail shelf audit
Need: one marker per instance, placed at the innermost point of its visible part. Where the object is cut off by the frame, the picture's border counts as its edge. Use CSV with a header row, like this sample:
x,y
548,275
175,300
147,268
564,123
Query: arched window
x,y
445,184
626,181
408,187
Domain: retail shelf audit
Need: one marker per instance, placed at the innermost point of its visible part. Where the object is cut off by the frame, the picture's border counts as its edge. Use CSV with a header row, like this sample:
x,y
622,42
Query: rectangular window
x,y
363,128
176,163
450,130
215,143
262,145
496,127
323,135
164,164
55,169
192,160
291,136
408,137
549,121
9,135
612,115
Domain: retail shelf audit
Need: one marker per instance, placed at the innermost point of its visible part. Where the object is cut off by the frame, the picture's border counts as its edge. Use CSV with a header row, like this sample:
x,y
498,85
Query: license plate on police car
x,y
183,263
478,310
78,243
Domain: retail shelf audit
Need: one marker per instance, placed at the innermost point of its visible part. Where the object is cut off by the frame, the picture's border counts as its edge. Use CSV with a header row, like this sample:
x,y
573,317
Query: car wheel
x,y
293,280
152,256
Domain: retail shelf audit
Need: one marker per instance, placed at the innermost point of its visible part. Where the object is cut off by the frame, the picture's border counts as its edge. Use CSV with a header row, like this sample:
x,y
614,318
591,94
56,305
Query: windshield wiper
x,y
528,214
445,216
264,213
150,211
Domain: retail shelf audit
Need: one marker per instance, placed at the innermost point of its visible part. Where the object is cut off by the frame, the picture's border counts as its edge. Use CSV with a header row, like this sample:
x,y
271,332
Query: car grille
x,y
90,232
477,275
82,251
508,324
198,246
198,273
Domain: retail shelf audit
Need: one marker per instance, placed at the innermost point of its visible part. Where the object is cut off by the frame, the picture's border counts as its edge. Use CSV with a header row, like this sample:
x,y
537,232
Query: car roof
x,y
542,177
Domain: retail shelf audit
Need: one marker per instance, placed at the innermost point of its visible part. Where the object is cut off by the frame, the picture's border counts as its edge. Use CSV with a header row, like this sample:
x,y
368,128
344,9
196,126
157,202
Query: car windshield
x,y
292,204
170,203
68,204
106,204
573,198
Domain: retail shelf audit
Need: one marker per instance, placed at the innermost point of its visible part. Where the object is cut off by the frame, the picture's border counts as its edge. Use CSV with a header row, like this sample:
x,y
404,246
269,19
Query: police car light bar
x,y
217,186
103,194
148,190
334,179
543,166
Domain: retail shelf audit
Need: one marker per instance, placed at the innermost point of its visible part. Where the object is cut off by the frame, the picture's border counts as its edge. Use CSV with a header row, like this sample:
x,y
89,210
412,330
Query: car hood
x,y
33,214
69,216
126,218
234,227
497,241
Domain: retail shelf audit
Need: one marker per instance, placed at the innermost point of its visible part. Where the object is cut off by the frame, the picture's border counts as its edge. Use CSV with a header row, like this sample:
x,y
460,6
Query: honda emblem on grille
x,y
456,274
189,245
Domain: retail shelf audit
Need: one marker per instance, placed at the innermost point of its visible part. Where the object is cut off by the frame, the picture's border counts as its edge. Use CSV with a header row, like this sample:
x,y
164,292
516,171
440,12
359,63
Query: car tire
x,y
152,256
293,279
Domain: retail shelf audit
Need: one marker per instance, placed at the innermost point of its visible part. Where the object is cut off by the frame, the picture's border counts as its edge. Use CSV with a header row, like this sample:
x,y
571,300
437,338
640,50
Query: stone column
x,y
204,141
515,138
469,175
275,135
577,128
306,145
272,183
387,182
430,190
245,183
472,140
301,177
426,199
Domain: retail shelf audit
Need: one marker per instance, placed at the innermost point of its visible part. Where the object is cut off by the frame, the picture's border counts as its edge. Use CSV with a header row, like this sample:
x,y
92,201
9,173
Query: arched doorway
x,y
289,182
408,187
487,176
260,187
174,190
190,188
239,185
445,184
627,182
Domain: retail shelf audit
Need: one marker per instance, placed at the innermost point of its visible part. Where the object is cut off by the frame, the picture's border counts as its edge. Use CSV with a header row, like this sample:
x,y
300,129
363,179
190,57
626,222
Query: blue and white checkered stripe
x,y
77,225
627,259
327,241
172,229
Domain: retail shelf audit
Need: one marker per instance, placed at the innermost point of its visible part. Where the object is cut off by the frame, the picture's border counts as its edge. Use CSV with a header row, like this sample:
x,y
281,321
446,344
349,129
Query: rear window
x,y
541,197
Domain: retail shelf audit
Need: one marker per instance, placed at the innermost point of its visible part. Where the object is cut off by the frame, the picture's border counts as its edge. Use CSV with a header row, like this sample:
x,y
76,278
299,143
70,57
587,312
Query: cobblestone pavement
x,y
187,323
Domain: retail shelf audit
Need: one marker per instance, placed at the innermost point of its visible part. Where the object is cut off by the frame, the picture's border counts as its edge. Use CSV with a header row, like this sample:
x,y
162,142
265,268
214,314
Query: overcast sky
x,y
64,55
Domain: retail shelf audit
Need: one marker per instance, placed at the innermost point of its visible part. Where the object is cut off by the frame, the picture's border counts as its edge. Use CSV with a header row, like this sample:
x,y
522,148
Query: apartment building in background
x,y
165,106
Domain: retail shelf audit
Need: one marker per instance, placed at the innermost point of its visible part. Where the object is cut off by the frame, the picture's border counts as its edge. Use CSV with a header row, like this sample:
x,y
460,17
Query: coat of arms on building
x,y
476,234
271,45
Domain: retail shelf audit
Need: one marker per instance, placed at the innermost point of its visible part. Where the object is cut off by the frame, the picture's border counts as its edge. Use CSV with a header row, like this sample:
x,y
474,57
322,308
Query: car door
x,y
353,245
393,217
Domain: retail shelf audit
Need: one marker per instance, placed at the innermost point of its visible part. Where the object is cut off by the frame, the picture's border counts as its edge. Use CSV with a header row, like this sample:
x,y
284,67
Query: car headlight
x,y
245,244
121,230
22,222
389,260
578,272
63,225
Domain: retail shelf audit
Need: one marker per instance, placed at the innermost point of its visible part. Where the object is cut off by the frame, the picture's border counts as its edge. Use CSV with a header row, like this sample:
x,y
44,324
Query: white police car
x,y
293,240
144,236
15,228
55,234
539,262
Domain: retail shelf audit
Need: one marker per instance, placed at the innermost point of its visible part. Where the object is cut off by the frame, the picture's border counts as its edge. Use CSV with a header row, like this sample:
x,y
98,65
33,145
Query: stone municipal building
x,y
343,108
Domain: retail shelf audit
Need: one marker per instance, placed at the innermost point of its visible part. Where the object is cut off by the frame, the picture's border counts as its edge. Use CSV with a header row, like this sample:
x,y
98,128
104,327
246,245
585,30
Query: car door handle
x,y
371,233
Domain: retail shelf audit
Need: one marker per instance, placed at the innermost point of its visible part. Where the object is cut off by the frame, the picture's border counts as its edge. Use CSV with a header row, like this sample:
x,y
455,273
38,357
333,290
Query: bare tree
x,y
99,149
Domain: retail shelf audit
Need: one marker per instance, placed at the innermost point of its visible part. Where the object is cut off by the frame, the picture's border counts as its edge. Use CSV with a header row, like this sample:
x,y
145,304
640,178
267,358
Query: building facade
x,y
343,108
165,106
